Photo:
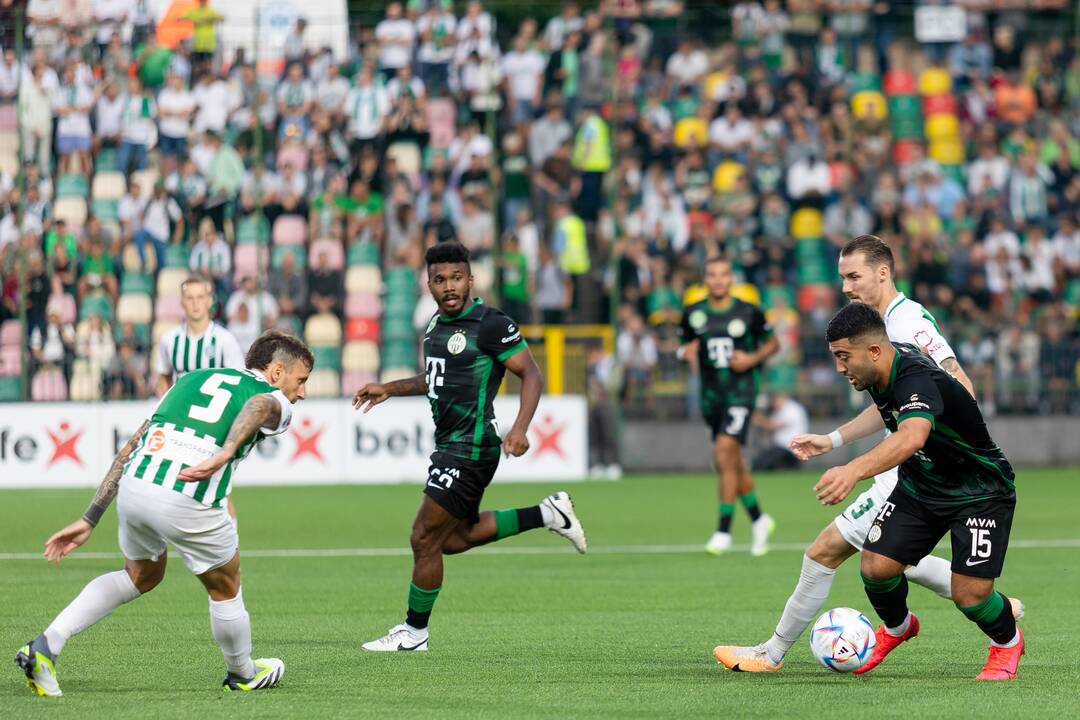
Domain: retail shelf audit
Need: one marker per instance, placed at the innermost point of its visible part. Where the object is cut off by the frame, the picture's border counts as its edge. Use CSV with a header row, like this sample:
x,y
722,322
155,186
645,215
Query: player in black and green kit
x,y
468,346
953,479
730,339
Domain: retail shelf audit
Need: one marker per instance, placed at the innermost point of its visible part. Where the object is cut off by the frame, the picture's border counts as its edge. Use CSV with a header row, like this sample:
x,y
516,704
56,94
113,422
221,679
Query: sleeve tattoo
x,y
106,492
259,411
416,385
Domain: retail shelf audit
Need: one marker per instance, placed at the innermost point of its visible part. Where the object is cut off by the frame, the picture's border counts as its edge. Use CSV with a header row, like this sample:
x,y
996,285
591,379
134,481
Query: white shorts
x,y
152,516
857,518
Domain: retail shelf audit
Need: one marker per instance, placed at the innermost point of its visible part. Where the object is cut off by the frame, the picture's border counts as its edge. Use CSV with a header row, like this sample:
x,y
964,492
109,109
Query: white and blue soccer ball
x,y
842,639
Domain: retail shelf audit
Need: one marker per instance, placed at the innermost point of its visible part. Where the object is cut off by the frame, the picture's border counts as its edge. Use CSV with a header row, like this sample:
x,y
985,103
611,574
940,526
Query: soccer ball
x,y
842,639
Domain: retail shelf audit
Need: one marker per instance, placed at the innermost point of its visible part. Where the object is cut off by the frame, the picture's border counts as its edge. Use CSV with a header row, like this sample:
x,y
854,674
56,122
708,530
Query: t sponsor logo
x,y
436,368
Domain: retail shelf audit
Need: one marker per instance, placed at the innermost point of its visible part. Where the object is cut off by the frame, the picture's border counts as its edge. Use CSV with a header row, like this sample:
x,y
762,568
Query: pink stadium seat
x,y
333,249
247,262
362,305
10,333
295,155
48,385
353,380
168,308
66,304
362,329
10,360
442,119
290,230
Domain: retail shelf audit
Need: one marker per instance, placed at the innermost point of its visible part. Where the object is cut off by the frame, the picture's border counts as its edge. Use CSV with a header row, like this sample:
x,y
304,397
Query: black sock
x,y
530,518
889,598
727,512
750,503
994,617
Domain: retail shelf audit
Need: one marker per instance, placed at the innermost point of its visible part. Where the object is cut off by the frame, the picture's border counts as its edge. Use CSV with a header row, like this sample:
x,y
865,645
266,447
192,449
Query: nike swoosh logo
x,y
977,562
401,646
566,520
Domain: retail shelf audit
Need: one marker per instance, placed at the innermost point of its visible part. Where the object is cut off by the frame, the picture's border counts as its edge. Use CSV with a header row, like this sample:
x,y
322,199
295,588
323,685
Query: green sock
x,y
506,524
420,603
749,501
727,511
986,611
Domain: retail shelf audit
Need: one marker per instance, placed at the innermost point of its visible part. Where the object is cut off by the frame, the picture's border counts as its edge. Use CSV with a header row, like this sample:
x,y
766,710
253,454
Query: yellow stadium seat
x,y
85,381
160,328
72,210
935,81
135,308
363,279
108,186
726,175
942,126
396,373
169,281
947,152
691,130
145,180
323,329
869,104
324,384
807,223
360,355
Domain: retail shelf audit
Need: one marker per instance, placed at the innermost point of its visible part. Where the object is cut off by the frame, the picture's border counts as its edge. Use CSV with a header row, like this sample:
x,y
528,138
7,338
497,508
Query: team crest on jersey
x,y
698,319
736,328
156,441
431,325
456,344
875,534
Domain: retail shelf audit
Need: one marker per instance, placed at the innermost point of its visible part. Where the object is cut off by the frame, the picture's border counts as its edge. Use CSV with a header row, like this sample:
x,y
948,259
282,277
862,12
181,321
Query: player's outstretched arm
x,y
837,483
62,542
865,424
372,394
259,411
524,366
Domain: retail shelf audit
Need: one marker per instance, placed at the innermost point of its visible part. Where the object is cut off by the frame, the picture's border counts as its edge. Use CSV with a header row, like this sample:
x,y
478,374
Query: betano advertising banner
x,y
72,444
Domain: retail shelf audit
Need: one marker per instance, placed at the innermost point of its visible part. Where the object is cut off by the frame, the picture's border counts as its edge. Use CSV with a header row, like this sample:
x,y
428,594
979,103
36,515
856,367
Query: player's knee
x,y
146,579
968,593
877,567
423,541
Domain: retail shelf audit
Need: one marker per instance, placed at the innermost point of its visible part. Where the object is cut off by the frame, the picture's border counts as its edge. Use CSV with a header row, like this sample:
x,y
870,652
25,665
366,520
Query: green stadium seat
x,y
177,256
106,160
363,253
72,186
10,389
106,210
96,305
298,252
905,107
399,353
253,230
142,332
400,278
327,358
137,283
866,81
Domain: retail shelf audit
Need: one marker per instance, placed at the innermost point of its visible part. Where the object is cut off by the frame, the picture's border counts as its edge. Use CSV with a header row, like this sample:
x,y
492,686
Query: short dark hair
x,y
714,259
446,252
856,320
276,345
874,248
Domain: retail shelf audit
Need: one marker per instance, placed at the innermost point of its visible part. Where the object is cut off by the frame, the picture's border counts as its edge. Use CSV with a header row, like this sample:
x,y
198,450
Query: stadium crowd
x,y
590,161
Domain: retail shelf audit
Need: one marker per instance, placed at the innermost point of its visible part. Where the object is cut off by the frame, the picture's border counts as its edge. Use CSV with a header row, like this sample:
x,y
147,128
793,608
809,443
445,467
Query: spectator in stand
x,y
436,30
53,346
248,311
326,286
523,71
72,103
288,286
138,128
125,378
211,257
176,108
94,342
204,40
97,271
367,107
787,418
396,36
637,354
295,48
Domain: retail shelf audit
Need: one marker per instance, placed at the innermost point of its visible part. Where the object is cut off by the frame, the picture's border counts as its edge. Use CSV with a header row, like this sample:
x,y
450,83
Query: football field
x,y
526,627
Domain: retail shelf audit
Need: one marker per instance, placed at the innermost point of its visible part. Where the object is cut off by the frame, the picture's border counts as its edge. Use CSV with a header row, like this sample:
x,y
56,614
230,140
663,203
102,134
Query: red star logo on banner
x,y
307,441
64,444
547,437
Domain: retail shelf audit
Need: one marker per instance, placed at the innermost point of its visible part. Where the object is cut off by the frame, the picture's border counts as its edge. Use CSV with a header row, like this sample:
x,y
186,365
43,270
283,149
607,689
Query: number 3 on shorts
x,y
737,417
219,398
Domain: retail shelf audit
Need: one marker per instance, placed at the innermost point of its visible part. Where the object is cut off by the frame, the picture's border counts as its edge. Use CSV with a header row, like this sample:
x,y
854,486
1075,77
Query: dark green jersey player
x,y
730,339
953,479
468,346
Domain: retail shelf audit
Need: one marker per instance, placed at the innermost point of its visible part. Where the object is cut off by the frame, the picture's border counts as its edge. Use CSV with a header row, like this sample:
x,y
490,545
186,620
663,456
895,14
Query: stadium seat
x,y
176,256
134,308
399,354
159,329
363,253
108,185
807,223
392,374
129,259
363,279
251,230
71,210
323,329
11,333
407,156
866,81
360,355
299,253
905,151
10,360
74,186
362,329
327,357
726,175
48,385
295,155
869,104
290,230
85,380
942,126
169,281
353,380
947,152
364,305
65,303
332,249
899,82
96,304
935,81
401,279
105,209
106,160
323,383
935,104
691,131
168,308
248,261
145,179
10,389
398,330
142,333
134,282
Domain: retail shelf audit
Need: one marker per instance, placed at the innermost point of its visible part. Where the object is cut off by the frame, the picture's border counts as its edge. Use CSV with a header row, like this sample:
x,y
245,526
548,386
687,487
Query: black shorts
x,y
907,530
458,484
730,421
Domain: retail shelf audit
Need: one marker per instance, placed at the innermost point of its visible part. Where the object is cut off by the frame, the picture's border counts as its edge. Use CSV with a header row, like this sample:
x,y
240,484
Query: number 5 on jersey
x,y
219,398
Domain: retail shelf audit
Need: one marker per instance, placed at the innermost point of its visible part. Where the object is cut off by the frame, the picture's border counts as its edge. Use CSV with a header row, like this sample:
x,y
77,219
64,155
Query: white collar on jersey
x,y
258,374
206,333
896,301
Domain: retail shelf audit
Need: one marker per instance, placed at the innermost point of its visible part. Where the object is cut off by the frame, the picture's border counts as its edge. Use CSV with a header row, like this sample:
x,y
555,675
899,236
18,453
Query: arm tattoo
x,y
258,411
416,385
950,366
106,492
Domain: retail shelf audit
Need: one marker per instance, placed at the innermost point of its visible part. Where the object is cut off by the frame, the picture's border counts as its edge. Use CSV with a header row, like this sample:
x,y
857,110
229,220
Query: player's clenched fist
x,y
515,443
835,485
805,447
369,396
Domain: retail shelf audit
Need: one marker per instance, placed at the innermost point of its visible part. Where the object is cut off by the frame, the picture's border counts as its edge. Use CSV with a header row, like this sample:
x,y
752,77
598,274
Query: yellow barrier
x,y
561,354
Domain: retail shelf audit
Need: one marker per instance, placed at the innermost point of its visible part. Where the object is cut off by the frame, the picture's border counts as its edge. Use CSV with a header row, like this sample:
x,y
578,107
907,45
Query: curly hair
x,y
275,345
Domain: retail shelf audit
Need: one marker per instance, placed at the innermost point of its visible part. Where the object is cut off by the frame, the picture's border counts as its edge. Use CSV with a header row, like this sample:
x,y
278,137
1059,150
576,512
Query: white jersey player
x,y
866,266
171,480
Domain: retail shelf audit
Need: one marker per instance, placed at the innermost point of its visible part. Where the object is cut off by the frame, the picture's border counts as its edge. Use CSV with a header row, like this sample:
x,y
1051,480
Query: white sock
x,y
231,625
548,514
901,628
1011,643
933,573
100,597
418,633
802,607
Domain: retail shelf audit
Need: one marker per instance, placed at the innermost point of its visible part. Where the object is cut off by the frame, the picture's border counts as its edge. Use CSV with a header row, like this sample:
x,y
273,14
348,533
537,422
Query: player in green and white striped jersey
x,y
172,478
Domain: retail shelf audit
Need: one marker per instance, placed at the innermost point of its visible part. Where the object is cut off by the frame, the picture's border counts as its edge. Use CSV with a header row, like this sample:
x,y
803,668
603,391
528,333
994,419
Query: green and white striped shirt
x,y
179,354
191,423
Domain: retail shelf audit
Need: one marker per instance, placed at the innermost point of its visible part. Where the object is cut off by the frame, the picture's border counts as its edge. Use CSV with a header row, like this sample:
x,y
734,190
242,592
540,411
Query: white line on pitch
x,y
523,550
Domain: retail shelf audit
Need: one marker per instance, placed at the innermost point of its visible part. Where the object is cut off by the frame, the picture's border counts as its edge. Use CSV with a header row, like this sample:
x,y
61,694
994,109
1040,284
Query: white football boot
x,y
564,521
401,638
37,663
760,531
719,543
268,672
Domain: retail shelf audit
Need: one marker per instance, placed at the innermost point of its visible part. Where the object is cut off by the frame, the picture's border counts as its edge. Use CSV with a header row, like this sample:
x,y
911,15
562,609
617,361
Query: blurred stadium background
x,y
591,155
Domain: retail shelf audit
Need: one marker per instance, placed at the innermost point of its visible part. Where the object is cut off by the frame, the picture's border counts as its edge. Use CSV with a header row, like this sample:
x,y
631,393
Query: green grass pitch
x,y
529,628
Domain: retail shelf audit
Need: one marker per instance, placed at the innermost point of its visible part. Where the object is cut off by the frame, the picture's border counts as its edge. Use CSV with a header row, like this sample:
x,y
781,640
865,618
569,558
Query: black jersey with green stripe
x,y
463,357
960,463
738,325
